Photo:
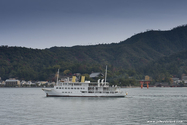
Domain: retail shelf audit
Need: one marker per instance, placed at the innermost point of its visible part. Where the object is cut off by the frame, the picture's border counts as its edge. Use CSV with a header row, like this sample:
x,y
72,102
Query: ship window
x,y
65,92
77,84
77,88
68,88
62,92
68,92
62,87
74,88
56,87
71,87
59,87
65,87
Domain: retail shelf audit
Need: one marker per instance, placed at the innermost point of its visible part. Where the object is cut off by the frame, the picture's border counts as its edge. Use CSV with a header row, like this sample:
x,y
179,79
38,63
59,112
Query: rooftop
x,y
96,74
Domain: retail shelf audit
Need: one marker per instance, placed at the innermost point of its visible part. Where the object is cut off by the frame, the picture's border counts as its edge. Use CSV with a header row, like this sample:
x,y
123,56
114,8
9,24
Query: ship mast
x,y
105,75
57,77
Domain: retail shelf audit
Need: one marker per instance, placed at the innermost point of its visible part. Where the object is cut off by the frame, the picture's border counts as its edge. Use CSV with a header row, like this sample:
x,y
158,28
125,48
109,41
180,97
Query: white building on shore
x,y
12,83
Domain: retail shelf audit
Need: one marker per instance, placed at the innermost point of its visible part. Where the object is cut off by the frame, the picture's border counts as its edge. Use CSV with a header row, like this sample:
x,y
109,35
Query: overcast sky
x,y
47,23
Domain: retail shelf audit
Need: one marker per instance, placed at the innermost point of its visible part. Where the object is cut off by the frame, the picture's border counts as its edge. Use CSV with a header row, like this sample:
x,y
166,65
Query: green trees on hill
x,y
159,54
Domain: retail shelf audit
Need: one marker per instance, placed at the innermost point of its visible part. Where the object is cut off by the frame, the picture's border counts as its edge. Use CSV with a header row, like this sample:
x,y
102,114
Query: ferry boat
x,y
84,88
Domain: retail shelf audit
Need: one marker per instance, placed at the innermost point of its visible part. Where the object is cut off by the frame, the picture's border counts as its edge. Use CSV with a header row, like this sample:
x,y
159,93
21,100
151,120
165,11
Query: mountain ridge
x,y
133,53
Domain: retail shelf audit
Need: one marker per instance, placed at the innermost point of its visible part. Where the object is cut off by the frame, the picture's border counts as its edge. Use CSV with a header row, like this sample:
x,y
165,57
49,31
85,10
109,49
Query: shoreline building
x,y
12,83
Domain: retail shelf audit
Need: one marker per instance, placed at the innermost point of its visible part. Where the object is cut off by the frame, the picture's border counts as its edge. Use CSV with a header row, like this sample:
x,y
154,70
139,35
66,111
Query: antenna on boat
x,y
105,75
57,77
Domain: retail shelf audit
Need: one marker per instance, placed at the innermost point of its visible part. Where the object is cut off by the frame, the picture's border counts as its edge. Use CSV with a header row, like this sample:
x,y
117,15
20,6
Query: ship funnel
x,y
73,78
82,78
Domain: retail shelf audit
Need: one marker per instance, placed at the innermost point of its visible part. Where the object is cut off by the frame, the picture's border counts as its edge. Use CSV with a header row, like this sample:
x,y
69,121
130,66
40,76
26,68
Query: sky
x,y
46,23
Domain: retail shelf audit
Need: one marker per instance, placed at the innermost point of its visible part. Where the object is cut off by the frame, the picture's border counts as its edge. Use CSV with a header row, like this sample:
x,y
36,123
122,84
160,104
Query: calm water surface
x,y
29,106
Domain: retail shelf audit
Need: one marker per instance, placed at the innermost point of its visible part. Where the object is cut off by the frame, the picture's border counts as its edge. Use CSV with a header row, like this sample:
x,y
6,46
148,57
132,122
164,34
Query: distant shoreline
x,y
24,87
121,87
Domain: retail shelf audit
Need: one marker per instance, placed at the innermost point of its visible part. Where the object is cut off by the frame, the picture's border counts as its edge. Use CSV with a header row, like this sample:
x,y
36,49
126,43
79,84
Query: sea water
x,y
30,106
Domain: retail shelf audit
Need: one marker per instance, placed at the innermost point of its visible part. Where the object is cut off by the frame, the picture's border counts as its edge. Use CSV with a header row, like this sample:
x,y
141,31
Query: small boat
x,y
83,89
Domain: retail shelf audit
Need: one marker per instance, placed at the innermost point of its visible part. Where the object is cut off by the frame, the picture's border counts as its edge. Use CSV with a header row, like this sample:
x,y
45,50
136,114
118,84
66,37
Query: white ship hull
x,y
54,93
83,89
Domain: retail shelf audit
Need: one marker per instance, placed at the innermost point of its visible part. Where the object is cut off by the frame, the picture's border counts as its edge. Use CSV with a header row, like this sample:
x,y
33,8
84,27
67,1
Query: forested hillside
x,y
149,53
166,67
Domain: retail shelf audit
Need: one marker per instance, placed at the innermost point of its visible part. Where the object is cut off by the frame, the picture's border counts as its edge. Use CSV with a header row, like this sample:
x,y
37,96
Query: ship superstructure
x,y
84,88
